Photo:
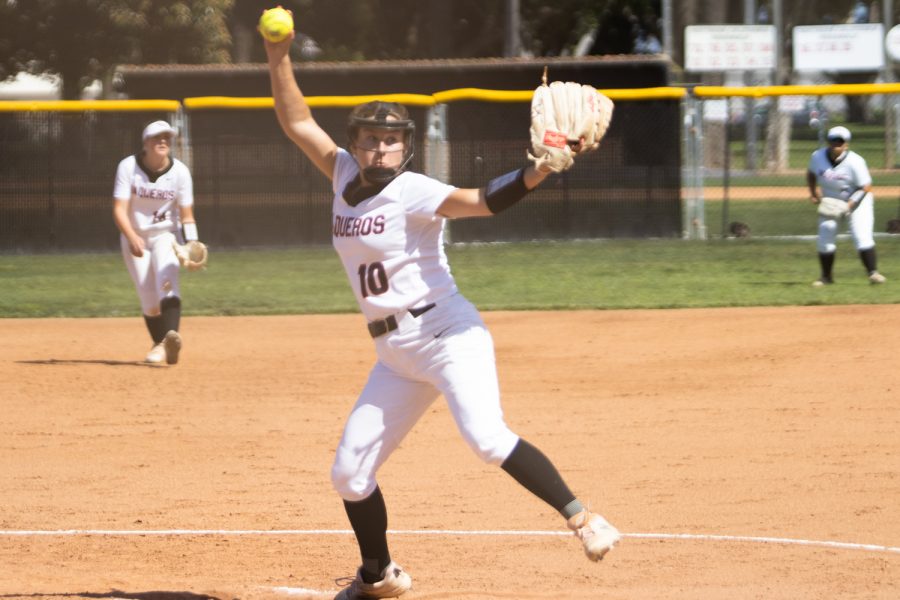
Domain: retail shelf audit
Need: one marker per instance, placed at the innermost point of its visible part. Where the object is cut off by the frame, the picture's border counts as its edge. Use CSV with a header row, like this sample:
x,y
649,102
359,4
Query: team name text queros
x,y
356,226
154,193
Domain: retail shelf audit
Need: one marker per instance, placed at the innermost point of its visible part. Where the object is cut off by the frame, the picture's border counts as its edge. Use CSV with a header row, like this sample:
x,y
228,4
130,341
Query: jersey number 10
x,y
372,279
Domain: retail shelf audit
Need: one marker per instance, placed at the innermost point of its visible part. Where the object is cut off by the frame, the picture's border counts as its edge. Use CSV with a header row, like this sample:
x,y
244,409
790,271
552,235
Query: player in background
x,y
841,173
153,207
429,340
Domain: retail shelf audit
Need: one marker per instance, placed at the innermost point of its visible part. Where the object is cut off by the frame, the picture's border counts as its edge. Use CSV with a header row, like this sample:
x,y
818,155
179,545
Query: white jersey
x,y
154,203
841,178
391,244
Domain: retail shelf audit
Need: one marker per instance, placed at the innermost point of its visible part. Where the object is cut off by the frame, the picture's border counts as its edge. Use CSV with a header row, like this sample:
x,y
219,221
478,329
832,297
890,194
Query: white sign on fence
x,y
791,104
839,47
729,47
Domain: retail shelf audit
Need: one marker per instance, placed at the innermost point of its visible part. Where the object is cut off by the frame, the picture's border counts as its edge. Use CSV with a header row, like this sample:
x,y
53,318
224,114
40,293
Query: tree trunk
x,y
436,19
69,86
244,37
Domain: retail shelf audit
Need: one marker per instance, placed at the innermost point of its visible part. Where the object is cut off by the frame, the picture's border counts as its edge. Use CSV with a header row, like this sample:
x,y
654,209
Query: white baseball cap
x,y
838,133
156,128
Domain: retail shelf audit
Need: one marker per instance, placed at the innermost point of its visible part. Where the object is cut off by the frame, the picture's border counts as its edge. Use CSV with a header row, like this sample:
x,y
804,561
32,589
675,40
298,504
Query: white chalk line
x,y
295,591
442,532
290,591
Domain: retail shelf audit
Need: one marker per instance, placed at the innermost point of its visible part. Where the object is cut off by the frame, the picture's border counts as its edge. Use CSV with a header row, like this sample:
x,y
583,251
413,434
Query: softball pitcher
x,y
387,226
153,197
846,193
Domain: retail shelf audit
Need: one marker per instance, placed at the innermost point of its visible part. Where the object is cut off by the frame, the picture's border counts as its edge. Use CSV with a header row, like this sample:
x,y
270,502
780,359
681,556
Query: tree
x,y
553,29
621,22
83,40
402,29
409,29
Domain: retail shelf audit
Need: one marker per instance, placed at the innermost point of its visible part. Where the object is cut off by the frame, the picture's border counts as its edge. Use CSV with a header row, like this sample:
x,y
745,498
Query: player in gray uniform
x,y
387,229
153,207
841,173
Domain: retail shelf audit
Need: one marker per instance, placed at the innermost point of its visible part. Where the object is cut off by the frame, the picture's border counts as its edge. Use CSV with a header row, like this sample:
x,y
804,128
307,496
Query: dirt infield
x,y
745,453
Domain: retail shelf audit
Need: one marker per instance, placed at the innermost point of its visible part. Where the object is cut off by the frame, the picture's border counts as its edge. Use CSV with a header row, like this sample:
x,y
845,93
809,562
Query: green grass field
x,y
868,141
526,276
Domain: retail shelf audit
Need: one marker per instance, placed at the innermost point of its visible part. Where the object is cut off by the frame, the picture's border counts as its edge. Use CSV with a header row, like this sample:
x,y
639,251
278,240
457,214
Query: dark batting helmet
x,y
383,115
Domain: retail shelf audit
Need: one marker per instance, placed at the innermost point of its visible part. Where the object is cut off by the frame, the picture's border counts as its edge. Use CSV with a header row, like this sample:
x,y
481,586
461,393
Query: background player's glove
x,y
833,208
192,255
566,118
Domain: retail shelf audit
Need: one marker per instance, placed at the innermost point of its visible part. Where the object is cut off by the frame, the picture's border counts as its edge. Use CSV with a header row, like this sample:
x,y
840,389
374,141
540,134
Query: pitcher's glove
x,y
566,119
833,208
193,255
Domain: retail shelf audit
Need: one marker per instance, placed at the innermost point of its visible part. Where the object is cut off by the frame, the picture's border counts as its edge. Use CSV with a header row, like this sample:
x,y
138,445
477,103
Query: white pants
x,y
861,224
155,274
448,350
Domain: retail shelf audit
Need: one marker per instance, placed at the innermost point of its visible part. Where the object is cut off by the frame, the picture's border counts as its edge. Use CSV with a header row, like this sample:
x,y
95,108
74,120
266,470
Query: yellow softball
x,y
276,24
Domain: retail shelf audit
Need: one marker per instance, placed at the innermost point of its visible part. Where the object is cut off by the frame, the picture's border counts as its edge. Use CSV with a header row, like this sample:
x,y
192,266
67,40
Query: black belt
x,y
380,327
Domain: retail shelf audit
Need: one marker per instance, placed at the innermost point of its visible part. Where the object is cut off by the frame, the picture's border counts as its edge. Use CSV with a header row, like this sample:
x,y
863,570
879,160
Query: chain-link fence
x,y
253,187
752,146
57,165
700,163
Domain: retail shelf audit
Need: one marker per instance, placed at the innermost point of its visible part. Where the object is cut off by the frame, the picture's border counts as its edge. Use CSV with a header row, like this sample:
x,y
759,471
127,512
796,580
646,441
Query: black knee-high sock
x,y
827,263
156,327
869,260
170,311
531,468
369,521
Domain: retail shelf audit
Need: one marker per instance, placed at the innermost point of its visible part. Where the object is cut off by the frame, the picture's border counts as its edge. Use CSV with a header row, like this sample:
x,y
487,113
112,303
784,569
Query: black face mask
x,y
355,192
380,174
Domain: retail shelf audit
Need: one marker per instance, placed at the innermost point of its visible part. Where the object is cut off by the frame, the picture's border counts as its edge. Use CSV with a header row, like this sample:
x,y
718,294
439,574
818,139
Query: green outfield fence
x,y
677,162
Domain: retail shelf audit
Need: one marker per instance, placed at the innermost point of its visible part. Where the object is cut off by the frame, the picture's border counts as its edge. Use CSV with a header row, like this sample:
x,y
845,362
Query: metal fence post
x,y
694,223
51,179
182,123
437,150
890,131
890,115
726,169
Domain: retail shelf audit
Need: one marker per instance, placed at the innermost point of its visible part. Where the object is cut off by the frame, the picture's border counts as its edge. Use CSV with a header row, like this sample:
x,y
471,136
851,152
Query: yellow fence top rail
x,y
658,93
847,89
213,102
227,102
457,95
462,94
88,105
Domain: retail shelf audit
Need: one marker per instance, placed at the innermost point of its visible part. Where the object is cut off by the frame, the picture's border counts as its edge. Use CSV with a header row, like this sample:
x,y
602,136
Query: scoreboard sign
x,y
729,47
839,47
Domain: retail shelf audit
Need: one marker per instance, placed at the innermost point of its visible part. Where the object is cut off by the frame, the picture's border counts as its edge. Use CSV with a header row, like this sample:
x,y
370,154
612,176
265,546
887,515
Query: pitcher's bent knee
x,y
494,448
350,482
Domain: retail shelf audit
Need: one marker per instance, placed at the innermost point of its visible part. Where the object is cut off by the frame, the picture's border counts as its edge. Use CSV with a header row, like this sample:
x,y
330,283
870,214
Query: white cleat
x,y
595,533
157,354
877,277
172,345
395,582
